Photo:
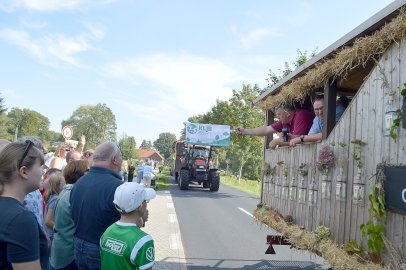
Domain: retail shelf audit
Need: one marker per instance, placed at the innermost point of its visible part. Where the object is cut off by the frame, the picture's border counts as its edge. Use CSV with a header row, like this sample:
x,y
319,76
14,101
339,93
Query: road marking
x,y
245,211
172,218
166,191
169,205
173,241
168,197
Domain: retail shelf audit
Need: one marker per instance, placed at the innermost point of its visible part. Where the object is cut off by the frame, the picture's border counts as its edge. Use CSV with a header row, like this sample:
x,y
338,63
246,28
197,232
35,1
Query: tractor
x,y
193,164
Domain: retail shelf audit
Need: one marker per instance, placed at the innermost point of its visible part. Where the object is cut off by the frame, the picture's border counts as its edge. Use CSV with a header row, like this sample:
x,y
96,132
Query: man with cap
x,y
124,245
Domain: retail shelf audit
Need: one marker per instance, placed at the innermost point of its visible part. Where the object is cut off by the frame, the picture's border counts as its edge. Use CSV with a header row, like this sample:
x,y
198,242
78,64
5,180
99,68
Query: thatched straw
x,y
362,50
302,239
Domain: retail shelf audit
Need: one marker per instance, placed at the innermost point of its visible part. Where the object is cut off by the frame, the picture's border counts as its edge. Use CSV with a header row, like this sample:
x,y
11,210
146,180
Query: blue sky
x,y
156,63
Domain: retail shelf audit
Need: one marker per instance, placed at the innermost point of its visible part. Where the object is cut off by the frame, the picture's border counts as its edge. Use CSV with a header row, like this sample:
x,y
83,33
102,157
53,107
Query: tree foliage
x,y
146,145
128,147
23,122
3,120
301,58
96,122
164,143
244,152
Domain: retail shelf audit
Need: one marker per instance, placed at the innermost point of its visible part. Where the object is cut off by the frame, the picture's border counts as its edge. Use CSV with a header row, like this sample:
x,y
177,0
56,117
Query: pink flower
x,y
325,159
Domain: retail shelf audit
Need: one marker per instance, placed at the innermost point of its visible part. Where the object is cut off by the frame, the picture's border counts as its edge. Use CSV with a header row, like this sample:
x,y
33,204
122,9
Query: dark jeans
x,y
71,266
130,177
87,255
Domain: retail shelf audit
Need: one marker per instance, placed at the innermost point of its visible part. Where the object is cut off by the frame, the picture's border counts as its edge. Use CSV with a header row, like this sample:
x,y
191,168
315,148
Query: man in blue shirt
x,y
92,204
342,104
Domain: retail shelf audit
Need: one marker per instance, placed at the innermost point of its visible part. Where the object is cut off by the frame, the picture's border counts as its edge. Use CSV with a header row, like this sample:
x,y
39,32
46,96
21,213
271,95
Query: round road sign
x,y
67,132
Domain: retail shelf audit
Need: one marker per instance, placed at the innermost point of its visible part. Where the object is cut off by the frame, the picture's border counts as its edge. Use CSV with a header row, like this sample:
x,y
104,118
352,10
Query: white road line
x,y
173,241
172,218
169,205
245,211
168,197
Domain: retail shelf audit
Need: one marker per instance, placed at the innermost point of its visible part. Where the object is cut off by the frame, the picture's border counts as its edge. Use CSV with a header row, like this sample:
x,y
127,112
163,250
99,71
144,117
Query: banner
x,y
206,134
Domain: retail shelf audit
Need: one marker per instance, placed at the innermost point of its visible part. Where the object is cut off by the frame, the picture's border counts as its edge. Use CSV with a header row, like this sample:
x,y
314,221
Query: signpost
x,y
206,134
67,132
228,161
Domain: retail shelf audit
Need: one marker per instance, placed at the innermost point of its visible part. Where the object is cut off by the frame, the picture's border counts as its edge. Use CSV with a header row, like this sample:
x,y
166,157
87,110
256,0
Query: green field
x,y
251,186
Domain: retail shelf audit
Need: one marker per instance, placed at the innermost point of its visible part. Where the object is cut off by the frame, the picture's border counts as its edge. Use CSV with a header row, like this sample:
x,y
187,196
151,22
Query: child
x,y
55,185
124,245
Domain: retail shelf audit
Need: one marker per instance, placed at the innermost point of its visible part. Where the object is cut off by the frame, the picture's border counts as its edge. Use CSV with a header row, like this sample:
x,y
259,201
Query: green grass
x,y
162,180
251,186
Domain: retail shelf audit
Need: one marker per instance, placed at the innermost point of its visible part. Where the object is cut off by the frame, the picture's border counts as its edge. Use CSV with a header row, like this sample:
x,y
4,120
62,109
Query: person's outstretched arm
x,y
259,131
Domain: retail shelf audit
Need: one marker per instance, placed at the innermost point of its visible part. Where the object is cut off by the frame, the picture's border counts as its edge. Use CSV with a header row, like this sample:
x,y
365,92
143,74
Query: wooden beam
x,y
329,113
269,121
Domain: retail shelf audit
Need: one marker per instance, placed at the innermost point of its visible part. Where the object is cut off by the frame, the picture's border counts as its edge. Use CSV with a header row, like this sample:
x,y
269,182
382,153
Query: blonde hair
x,y
10,157
55,182
59,149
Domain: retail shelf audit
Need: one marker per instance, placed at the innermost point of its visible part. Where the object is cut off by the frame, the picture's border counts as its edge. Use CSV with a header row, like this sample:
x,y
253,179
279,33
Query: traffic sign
x,y
67,132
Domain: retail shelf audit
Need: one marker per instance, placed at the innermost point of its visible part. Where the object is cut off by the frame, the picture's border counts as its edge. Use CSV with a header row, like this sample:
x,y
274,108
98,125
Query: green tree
x,y
54,136
164,143
24,122
128,147
245,152
4,120
146,145
301,58
96,122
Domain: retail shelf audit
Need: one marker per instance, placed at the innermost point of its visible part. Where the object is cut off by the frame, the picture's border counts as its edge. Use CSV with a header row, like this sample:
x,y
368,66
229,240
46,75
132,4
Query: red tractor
x,y
193,164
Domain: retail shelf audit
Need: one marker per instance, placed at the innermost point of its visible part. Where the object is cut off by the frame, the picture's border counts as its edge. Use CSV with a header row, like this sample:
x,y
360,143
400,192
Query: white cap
x,y
129,196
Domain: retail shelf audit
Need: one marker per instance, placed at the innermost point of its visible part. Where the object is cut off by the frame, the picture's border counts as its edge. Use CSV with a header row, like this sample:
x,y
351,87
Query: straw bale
x,y
341,63
305,240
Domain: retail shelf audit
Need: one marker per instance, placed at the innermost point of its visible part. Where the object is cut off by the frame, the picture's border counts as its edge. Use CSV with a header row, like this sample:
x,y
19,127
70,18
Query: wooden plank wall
x,y
363,120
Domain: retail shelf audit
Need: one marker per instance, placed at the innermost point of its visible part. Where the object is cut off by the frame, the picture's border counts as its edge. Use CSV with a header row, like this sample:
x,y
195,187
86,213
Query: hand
x,y
240,131
294,141
83,139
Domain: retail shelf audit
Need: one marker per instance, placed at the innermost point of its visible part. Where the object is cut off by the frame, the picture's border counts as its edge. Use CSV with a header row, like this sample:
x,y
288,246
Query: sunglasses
x,y
27,149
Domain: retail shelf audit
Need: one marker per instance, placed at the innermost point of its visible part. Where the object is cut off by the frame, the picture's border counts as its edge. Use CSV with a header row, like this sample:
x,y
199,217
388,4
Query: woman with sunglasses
x,y
23,245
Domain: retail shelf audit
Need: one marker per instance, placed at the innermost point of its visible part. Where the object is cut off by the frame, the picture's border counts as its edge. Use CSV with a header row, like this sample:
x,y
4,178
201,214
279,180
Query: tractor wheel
x,y
215,181
206,184
184,179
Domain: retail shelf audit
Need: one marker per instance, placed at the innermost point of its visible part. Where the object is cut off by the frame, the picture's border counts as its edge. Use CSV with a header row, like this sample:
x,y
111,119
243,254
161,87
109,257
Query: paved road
x,y
218,232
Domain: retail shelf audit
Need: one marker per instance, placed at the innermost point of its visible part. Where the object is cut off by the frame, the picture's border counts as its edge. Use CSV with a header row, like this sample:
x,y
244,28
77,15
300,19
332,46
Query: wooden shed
x,y
368,65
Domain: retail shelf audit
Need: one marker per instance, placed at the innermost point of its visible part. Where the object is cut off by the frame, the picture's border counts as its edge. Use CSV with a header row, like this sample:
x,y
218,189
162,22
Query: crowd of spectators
x,y
70,209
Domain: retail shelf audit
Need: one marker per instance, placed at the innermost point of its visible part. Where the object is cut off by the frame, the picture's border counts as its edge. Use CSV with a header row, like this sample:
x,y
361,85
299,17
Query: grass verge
x,y
162,180
251,186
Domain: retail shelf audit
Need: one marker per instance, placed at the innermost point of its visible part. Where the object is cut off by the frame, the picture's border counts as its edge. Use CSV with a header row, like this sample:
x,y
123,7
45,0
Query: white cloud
x,y
52,49
183,78
95,30
172,88
33,24
49,5
255,36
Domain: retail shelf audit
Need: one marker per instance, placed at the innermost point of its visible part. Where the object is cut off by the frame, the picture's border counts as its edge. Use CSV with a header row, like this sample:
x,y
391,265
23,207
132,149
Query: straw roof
x,y
340,63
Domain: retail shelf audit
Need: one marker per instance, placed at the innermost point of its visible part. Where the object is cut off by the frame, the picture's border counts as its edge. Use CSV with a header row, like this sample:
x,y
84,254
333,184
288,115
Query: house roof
x,y
148,153
349,59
